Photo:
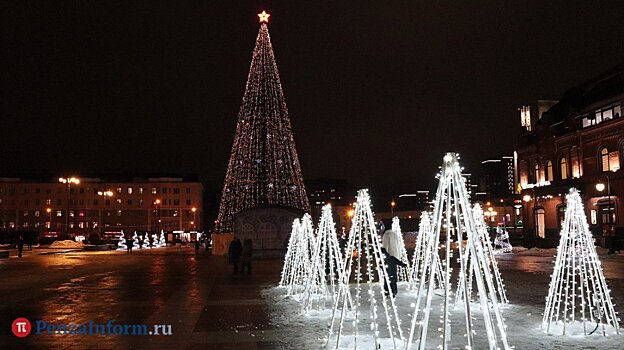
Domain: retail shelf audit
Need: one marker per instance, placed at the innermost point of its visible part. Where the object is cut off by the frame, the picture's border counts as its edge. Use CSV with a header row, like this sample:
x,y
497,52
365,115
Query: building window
x,y
563,168
540,225
176,190
604,159
118,190
129,190
119,201
140,190
118,212
549,171
59,213
164,190
48,201
176,202
188,190
129,201
188,202
71,213
537,173
37,213
25,212
154,190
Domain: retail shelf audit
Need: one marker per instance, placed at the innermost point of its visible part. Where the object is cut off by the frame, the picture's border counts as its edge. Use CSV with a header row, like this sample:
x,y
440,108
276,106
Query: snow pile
x,y
66,244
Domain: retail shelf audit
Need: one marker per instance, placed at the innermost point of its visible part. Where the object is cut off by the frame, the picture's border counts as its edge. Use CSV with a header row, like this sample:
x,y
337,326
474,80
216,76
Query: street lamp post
x,y
601,187
69,181
104,195
392,204
194,210
49,211
157,224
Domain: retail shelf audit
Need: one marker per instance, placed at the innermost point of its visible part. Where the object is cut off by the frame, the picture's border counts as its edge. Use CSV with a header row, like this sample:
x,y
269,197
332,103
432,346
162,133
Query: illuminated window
x,y
154,190
119,201
37,213
604,159
119,190
563,168
129,190
549,171
540,225
48,201
140,190
537,173
118,212
59,213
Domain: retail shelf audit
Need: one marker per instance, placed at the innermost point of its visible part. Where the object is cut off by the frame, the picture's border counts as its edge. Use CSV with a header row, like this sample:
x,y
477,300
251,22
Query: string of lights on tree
x,y
327,264
263,168
403,273
135,240
452,223
578,293
365,264
300,258
290,251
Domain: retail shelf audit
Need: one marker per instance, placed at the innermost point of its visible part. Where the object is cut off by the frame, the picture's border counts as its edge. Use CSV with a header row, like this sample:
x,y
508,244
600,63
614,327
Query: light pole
x,y
69,181
104,195
601,187
156,203
194,210
49,211
392,204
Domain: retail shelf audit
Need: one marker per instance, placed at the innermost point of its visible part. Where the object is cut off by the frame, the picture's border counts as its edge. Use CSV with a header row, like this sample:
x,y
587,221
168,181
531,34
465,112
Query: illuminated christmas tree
x,y
263,169
295,234
155,242
121,245
326,273
454,230
302,257
403,272
365,264
146,241
161,240
484,241
135,241
578,294
420,251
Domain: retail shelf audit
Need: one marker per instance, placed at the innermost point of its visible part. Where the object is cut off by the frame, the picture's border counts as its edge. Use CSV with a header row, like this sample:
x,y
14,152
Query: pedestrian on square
x,y
20,246
247,254
392,254
130,245
235,250
197,244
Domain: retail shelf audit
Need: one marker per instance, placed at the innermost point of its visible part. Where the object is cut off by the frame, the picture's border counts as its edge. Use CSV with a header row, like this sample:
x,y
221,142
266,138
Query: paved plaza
x,y
206,305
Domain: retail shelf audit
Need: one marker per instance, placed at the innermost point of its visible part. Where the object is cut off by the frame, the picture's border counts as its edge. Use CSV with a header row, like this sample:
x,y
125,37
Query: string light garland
x,y
365,264
418,269
263,169
452,223
290,251
578,290
135,240
298,261
403,273
161,240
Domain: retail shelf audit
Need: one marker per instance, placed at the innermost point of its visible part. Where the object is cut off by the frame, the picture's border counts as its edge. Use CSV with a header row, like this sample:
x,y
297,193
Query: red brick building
x,y
98,205
579,143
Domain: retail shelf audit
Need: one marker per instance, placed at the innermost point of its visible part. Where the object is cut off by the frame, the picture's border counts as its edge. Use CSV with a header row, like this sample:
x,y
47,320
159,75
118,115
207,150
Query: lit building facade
x,y
89,205
578,143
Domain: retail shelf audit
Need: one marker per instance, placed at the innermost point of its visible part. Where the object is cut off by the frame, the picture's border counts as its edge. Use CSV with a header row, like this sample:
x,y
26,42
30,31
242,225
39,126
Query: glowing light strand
x,y
121,245
403,273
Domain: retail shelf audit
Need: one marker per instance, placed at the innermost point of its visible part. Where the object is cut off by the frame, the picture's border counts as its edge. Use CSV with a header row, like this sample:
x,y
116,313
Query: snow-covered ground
x,y
526,274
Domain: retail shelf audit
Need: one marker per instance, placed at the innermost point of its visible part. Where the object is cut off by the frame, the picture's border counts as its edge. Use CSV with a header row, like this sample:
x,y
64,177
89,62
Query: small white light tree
x,y
146,241
327,263
501,241
418,270
578,290
483,240
403,273
454,229
135,241
365,261
302,257
155,242
161,240
121,245
290,252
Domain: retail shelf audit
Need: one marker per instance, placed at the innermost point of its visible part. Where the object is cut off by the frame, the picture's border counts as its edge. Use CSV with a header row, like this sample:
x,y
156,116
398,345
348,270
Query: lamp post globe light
x,y
69,181
104,194
600,186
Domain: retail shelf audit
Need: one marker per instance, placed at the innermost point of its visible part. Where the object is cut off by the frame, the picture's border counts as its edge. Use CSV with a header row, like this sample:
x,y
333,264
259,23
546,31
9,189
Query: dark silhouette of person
x,y
390,249
20,246
247,254
130,245
197,245
235,250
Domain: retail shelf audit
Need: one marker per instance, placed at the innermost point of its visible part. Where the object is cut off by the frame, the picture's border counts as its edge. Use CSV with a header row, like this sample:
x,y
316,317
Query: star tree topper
x,y
264,17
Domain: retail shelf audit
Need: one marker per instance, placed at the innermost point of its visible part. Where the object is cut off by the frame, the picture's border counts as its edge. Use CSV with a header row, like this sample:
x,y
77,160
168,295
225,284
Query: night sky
x,y
377,91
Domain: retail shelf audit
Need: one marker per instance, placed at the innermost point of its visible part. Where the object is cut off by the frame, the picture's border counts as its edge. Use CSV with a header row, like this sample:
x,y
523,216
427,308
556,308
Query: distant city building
x,y
418,200
90,205
470,186
338,192
578,143
498,180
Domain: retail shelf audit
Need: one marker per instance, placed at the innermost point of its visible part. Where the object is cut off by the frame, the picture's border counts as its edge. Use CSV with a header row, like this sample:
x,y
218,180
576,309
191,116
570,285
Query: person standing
x,y
392,258
20,246
247,254
130,245
197,245
235,250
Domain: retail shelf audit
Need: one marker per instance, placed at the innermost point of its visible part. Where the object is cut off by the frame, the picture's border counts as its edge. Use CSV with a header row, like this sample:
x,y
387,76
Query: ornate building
x,y
578,143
